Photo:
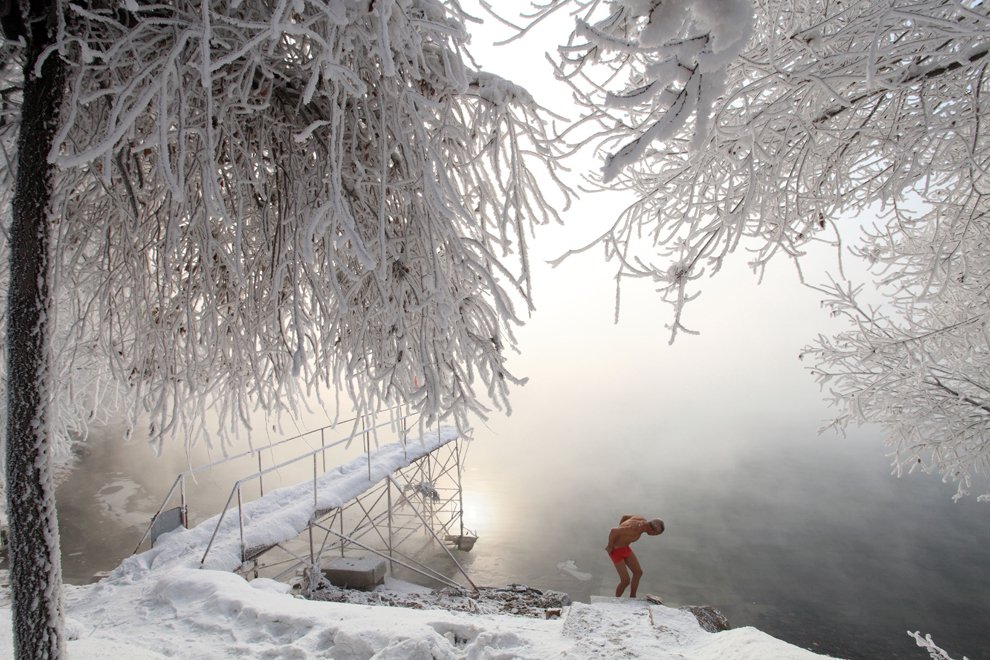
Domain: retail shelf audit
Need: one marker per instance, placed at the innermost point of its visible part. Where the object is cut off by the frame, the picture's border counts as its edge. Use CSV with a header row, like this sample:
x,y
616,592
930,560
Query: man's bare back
x,y
629,530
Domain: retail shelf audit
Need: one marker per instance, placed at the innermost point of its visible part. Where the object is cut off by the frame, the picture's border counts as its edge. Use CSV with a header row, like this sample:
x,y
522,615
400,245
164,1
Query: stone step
x,y
356,572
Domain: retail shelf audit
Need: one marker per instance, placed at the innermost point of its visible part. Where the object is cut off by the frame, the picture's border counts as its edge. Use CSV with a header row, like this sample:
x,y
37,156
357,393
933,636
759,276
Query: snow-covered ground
x,y
161,604
191,613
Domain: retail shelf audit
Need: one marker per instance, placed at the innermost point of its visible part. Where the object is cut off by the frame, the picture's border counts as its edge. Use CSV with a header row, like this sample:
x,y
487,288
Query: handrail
x,y
226,459
180,478
147,532
237,484
235,489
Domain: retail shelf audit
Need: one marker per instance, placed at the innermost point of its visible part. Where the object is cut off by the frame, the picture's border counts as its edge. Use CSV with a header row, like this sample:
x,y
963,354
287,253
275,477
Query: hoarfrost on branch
x,y
760,125
257,201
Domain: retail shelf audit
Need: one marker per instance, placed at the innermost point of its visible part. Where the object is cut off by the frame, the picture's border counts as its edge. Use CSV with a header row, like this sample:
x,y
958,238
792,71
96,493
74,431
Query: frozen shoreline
x,y
194,613
160,603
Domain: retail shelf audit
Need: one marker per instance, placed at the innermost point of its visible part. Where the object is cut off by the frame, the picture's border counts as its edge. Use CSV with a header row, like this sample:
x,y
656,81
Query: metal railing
x,y
236,489
444,509
360,428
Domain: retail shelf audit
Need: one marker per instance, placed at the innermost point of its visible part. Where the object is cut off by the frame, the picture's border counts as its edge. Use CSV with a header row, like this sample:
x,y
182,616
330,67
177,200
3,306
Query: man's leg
x,y
637,573
620,567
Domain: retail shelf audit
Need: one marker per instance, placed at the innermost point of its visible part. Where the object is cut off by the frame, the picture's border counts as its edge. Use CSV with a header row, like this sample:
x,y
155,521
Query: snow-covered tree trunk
x,y
35,569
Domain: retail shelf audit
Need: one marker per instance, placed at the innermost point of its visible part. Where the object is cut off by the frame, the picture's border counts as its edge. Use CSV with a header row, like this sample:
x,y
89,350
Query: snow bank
x,y
199,614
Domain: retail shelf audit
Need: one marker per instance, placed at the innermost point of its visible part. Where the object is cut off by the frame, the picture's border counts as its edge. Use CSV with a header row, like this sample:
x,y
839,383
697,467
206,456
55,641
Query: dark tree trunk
x,y
35,562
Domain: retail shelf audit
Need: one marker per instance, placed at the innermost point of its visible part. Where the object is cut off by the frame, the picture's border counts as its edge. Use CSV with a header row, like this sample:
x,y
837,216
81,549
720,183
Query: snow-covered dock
x,y
283,514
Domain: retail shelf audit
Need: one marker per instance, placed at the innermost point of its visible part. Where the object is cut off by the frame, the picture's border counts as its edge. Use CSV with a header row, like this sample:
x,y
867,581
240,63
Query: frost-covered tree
x,y
237,203
35,564
759,125
918,361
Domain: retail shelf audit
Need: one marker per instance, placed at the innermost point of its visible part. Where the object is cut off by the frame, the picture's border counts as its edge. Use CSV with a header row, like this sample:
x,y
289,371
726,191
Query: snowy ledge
x,y
199,614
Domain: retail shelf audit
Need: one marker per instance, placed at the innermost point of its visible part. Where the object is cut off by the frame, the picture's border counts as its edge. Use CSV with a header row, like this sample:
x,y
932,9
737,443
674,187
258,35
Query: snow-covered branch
x,y
919,363
262,201
763,133
762,124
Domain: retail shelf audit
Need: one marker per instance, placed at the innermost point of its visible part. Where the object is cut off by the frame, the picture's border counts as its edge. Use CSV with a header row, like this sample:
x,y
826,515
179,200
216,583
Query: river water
x,y
811,543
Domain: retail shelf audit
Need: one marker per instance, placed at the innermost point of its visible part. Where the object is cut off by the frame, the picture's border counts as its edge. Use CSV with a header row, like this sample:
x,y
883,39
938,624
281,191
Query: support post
x,y
460,490
323,447
240,520
183,505
429,528
261,477
388,495
314,568
367,442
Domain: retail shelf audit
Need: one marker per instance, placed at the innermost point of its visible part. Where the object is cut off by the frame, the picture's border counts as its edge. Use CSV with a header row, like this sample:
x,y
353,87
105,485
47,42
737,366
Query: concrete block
x,y
356,572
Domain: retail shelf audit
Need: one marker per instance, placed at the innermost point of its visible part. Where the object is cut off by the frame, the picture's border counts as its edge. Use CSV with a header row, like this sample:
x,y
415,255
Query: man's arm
x,y
625,518
613,535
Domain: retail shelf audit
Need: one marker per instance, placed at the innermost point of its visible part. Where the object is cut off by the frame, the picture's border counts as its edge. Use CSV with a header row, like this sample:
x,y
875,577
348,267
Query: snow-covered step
x,y
634,628
613,628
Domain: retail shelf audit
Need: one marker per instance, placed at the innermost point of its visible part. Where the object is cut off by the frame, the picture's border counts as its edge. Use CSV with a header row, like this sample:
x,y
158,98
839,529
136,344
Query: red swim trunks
x,y
619,554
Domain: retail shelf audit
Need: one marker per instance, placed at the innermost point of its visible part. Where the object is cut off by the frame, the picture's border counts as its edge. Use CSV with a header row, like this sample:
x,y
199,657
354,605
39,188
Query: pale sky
x,y
745,360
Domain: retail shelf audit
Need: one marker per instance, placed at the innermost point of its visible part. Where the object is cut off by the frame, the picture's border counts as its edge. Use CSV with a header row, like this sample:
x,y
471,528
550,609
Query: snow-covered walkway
x,y
283,514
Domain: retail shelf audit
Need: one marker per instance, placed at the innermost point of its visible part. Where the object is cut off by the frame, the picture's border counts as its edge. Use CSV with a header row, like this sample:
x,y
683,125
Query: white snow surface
x,y
159,604
199,614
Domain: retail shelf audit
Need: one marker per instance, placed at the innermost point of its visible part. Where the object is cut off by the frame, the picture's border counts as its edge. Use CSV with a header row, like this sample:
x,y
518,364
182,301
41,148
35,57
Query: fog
x,y
804,534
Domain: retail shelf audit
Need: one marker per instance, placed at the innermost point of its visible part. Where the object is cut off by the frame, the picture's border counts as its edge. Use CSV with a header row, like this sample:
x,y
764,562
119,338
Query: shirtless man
x,y
629,530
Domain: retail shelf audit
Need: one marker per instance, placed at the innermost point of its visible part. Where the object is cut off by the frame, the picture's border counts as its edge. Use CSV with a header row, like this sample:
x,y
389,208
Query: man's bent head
x,y
656,527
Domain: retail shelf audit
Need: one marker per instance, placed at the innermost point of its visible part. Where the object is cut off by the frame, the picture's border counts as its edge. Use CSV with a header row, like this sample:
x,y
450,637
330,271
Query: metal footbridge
x,y
348,493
